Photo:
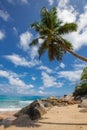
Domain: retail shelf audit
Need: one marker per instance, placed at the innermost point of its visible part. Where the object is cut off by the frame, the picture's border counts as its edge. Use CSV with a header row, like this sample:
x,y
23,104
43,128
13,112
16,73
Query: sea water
x,y
11,103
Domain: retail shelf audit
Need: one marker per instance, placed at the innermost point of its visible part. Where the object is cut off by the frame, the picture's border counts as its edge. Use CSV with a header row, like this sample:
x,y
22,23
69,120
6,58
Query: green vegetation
x,y
81,88
50,29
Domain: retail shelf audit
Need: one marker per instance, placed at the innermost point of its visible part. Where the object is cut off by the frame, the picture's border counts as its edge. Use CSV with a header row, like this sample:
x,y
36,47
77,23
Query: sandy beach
x,y
57,118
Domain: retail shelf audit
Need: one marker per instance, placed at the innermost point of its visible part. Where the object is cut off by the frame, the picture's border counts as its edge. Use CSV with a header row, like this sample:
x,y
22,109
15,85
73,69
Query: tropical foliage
x,y
81,88
50,29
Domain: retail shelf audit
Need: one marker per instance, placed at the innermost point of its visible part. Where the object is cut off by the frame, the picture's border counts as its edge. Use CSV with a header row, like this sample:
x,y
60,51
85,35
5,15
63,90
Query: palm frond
x,y
67,28
42,48
68,44
34,42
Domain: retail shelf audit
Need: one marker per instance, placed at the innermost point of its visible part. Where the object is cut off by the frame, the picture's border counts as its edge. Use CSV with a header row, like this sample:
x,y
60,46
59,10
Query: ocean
x,y
12,103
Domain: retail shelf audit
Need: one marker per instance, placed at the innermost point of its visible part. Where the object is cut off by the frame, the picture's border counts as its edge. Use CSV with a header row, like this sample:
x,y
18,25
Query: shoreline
x,y
58,118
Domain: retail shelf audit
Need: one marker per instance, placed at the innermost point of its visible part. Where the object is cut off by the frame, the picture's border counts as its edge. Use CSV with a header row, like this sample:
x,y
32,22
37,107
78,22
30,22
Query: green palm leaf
x,y
51,29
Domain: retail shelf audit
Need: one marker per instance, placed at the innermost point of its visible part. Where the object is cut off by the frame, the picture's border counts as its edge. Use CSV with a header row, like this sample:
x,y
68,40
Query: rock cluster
x,y
39,107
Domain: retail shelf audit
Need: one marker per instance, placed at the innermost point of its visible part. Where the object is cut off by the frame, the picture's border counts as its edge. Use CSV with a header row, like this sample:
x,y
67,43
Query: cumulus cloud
x,y
21,61
49,81
33,52
73,75
14,80
48,70
24,1
51,2
15,30
68,13
4,15
18,1
33,78
62,65
25,39
4,73
79,66
2,35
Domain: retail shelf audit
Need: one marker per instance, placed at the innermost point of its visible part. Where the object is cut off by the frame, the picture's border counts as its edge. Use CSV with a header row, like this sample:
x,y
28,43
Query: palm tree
x,y
50,29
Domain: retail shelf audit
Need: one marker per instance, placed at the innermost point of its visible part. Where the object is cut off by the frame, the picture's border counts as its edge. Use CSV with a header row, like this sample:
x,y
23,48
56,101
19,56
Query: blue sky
x,y
21,72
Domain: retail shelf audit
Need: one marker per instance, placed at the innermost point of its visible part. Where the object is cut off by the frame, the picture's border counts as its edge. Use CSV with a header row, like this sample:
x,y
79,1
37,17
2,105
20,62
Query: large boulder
x,y
1,118
83,103
35,110
80,98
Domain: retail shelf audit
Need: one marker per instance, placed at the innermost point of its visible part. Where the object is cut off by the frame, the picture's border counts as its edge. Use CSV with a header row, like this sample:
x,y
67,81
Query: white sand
x,y
58,118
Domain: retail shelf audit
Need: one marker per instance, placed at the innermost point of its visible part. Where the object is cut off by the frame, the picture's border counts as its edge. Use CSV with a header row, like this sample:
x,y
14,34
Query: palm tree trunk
x,y
76,55
72,52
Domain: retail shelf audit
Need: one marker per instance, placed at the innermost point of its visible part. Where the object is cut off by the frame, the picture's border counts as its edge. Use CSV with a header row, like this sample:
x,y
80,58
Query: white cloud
x,y
50,81
68,13
4,73
24,1
51,2
4,15
17,82
14,79
25,39
21,61
73,75
79,66
17,60
33,78
48,70
33,52
15,30
63,3
11,1
18,1
62,65
2,35
40,92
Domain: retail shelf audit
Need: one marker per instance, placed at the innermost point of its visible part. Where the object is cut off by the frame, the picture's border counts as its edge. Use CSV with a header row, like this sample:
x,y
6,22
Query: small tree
x,y
81,88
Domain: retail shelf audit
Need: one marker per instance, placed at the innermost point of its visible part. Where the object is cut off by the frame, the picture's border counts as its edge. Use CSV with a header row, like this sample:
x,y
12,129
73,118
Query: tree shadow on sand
x,y
22,121
53,123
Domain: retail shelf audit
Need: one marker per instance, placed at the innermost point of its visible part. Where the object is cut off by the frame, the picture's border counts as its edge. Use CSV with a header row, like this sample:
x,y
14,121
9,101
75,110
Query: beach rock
x,y
67,98
35,110
80,98
1,118
77,98
83,103
84,97
63,101
83,110
52,97
47,104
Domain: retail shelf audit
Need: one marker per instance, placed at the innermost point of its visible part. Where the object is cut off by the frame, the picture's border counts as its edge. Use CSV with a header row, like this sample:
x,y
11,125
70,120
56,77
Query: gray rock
x,y
1,118
83,103
83,110
35,110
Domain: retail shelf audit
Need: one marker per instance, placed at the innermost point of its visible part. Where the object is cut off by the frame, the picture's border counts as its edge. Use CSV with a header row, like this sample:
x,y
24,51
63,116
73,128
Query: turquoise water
x,y
11,103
